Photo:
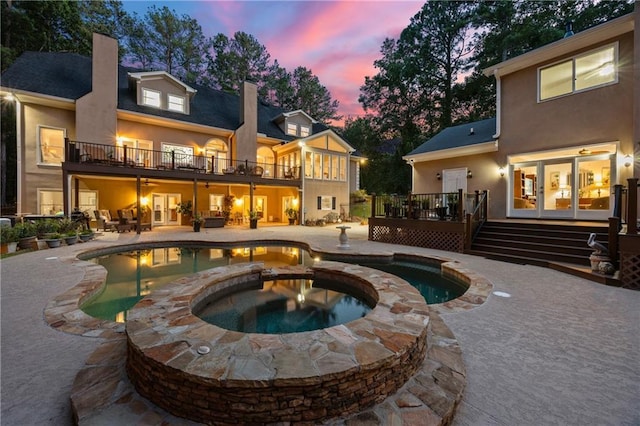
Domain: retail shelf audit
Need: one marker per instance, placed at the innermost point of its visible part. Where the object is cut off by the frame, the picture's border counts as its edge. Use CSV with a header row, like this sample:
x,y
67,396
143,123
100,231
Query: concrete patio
x,y
560,350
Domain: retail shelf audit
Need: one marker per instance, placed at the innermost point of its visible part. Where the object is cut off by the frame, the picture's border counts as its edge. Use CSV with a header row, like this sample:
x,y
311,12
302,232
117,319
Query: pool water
x,y
284,306
134,274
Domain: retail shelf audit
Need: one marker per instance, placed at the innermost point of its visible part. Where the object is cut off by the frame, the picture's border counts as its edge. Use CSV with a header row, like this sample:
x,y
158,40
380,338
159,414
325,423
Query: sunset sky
x,y
337,40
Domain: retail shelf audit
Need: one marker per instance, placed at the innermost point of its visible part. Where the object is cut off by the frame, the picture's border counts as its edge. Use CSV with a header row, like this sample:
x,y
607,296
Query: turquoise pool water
x,y
132,275
284,306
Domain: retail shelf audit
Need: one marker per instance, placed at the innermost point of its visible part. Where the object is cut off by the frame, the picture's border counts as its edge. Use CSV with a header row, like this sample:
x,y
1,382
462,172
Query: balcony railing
x,y
125,156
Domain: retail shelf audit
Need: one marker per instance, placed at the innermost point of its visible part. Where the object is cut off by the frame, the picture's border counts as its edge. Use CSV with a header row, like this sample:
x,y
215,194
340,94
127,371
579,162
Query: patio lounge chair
x,y
104,220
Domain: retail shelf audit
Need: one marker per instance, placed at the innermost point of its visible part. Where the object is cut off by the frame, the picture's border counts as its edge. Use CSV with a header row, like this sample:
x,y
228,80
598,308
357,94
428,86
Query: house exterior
x,y
567,130
95,135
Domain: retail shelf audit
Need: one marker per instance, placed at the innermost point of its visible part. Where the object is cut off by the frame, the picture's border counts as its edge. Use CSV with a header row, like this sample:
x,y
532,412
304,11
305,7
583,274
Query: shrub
x,y
26,229
8,234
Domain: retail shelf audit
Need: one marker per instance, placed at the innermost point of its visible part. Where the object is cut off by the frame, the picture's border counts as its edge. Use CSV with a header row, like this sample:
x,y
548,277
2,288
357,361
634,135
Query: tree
x,y
439,42
44,26
105,17
235,60
312,97
165,41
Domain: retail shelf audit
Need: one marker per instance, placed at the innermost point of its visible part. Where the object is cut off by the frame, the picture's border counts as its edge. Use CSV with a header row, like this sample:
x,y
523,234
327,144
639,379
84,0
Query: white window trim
x,y
182,108
39,159
572,59
143,102
304,131
292,127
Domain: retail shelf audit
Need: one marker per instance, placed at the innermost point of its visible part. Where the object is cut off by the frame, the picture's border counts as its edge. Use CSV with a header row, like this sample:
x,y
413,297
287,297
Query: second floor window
x,y
51,144
590,70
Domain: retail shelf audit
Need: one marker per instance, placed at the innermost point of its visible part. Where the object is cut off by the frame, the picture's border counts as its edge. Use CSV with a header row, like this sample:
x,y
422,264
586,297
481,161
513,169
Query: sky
x,y
337,40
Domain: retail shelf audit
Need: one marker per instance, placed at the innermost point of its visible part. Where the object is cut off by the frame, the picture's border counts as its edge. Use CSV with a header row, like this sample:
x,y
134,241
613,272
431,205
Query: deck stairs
x,y
538,244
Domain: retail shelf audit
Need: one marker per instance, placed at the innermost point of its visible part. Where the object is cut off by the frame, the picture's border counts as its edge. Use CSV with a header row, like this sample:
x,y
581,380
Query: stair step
x,y
537,246
581,259
528,238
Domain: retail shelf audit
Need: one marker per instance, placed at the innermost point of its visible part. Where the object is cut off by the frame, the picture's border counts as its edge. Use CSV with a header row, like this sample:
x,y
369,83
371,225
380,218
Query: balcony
x,y
92,158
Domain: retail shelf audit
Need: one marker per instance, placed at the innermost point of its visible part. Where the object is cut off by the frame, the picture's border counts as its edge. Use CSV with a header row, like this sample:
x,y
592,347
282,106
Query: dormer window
x,y
175,103
161,90
292,129
304,131
151,98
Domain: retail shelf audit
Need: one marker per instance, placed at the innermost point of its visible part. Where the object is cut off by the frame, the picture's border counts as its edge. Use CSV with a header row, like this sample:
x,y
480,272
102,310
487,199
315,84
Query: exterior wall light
x,y
469,174
438,176
628,160
501,171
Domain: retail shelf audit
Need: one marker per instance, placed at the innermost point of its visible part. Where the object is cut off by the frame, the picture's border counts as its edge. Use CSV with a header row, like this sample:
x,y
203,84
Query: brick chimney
x,y
247,133
96,119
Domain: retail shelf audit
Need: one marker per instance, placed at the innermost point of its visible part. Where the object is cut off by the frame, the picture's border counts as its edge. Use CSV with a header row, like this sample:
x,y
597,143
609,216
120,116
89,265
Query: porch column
x,y
66,182
195,197
76,193
138,215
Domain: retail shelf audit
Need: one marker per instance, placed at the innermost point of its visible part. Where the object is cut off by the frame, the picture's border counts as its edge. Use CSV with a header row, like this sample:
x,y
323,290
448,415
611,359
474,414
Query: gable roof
x,y
564,46
68,76
151,74
458,137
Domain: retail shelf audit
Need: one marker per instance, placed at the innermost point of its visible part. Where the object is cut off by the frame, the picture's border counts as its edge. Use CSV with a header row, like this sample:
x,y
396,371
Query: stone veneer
x,y
259,378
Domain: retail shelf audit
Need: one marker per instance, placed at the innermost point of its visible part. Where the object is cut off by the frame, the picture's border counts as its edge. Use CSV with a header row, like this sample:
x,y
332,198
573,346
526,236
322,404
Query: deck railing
x,y
436,206
126,156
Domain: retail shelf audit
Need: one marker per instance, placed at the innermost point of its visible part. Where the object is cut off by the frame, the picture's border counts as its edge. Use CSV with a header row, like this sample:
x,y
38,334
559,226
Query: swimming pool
x,y
133,274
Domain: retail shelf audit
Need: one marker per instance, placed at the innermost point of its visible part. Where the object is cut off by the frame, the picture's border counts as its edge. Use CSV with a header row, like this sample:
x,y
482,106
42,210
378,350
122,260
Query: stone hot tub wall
x,y
261,378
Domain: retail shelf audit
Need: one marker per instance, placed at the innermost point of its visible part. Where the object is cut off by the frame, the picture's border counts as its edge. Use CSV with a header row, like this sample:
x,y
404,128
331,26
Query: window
x,y
326,202
215,203
334,167
175,103
317,166
51,145
590,70
308,164
326,166
151,98
292,129
183,155
50,201
343,168
304,131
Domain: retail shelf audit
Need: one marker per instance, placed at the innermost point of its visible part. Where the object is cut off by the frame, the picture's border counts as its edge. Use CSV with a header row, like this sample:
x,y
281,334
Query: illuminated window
x,y
590,70
151,98
175,103
292,129
304,131
51,145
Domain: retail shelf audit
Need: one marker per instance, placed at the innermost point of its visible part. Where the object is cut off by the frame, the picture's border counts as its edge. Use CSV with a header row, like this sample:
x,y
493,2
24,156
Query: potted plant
x,y
53,240
86,235
197,221
253,219
292,214
8,239
70,237
26,235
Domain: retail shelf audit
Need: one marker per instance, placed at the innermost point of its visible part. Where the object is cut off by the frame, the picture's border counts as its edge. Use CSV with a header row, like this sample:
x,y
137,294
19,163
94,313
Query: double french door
x,y
165,209
569,188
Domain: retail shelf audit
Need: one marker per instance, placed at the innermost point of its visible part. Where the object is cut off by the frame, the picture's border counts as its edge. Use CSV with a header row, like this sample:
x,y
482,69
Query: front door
x,y
165,209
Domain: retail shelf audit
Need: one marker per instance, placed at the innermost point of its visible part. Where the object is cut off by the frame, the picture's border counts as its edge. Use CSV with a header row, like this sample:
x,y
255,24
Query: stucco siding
x,y
484,168
602,114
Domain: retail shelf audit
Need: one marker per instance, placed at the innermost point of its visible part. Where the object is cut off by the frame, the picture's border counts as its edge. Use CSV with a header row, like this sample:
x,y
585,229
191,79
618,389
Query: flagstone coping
x,y
102,392
205,373
64,314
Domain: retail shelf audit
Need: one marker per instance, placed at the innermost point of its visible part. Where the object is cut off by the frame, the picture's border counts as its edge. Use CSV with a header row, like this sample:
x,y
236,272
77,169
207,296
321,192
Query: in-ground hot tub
x,y
208,374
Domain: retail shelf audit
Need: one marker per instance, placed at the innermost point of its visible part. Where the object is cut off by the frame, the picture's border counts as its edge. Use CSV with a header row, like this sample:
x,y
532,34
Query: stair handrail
x,y
476,218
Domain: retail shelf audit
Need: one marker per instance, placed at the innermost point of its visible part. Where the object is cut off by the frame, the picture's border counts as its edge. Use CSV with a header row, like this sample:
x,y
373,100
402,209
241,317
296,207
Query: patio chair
x,y
104,220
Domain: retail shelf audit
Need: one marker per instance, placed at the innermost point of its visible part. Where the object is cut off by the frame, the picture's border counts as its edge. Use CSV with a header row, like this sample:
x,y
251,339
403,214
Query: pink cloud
x,y
337,40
